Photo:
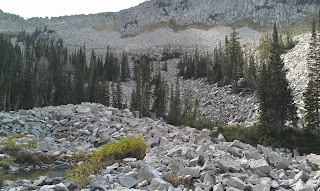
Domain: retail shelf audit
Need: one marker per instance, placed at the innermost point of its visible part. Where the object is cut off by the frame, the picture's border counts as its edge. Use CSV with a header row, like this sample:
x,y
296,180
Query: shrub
x,y
199,124
10,146
16,136
2,177
174,180
6,162
291,138
33,158
32,144
77,157
127,147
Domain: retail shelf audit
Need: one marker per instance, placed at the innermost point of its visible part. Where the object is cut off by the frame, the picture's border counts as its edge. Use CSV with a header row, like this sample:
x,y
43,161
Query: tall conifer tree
x,y
274,93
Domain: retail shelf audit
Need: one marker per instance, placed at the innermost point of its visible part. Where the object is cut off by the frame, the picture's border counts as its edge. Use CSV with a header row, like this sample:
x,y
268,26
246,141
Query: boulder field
x,y
178,158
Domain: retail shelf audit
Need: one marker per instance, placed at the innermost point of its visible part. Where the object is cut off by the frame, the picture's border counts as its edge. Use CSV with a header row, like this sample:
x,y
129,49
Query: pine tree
x,y
187,109
133,101
311,118
175,105
160,92
125,73
312,94
274,93
119,95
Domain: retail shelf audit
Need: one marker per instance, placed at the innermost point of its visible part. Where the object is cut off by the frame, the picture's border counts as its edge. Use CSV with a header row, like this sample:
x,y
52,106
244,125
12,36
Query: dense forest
x,y
38,71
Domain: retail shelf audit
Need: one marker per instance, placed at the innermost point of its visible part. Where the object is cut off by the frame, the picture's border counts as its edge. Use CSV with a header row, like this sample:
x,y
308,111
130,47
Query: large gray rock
x,y
313,161
40,181
192,171
238,144
252,154
218,187
58,187
300,186
228,164
236,183
157,184
128,182
209,179
301,175
277,161
260,165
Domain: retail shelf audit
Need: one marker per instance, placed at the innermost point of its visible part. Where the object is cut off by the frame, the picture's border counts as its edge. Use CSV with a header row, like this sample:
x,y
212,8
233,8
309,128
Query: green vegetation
x,y
275,96
174,180
6,162
2,177
284,44
46,73
311,96
16,136
292,138
15,151
227,65
126,147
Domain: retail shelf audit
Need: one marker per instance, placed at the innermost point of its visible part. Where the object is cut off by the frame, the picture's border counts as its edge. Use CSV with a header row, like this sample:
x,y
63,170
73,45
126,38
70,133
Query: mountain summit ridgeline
x,y
180,13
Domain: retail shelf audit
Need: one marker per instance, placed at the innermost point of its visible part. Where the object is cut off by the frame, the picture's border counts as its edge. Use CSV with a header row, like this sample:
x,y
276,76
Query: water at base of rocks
x,y
35,174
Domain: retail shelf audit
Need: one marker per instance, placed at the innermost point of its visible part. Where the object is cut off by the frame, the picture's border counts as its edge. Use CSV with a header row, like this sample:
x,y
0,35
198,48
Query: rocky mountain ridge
x,y
201,163
181,13
149,19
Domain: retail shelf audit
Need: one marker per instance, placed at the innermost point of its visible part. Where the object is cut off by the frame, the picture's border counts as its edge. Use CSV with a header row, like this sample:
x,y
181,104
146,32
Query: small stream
x,y
35,174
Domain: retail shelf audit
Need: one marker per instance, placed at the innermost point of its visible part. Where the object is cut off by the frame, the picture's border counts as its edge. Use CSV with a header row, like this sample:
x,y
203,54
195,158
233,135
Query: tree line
x,y
38,71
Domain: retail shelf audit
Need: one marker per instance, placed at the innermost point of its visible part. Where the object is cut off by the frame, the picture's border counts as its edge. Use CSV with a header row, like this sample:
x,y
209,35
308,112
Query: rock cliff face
x,y
213,12
180,13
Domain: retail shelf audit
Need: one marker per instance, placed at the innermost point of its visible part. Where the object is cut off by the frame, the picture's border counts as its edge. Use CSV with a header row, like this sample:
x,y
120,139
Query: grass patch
x,y
11,148
33,158
77,157
126,147
174,180
291,138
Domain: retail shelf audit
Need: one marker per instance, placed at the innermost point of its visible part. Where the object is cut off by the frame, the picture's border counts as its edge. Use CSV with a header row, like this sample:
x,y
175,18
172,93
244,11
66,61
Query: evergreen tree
x,y
107,93
119,95
133,101
312,94
125,72
160,93
310,100
274,93
187,109
250,75
175,105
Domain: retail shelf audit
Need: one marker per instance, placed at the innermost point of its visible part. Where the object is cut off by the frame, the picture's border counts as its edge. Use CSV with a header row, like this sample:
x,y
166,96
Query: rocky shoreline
x,y
177,156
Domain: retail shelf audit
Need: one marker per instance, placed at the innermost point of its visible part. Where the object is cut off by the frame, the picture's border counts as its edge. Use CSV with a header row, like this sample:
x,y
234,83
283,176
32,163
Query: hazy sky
x,y
54,8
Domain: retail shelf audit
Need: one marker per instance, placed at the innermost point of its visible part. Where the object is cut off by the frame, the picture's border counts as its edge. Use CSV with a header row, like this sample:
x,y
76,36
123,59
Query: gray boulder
x,y
228,164
157,184
260,165
192,171
301,175
58,187
313,161
236,183
128,182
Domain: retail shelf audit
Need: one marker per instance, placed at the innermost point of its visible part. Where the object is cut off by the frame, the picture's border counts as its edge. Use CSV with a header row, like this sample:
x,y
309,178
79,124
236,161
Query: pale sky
x,y
55,8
